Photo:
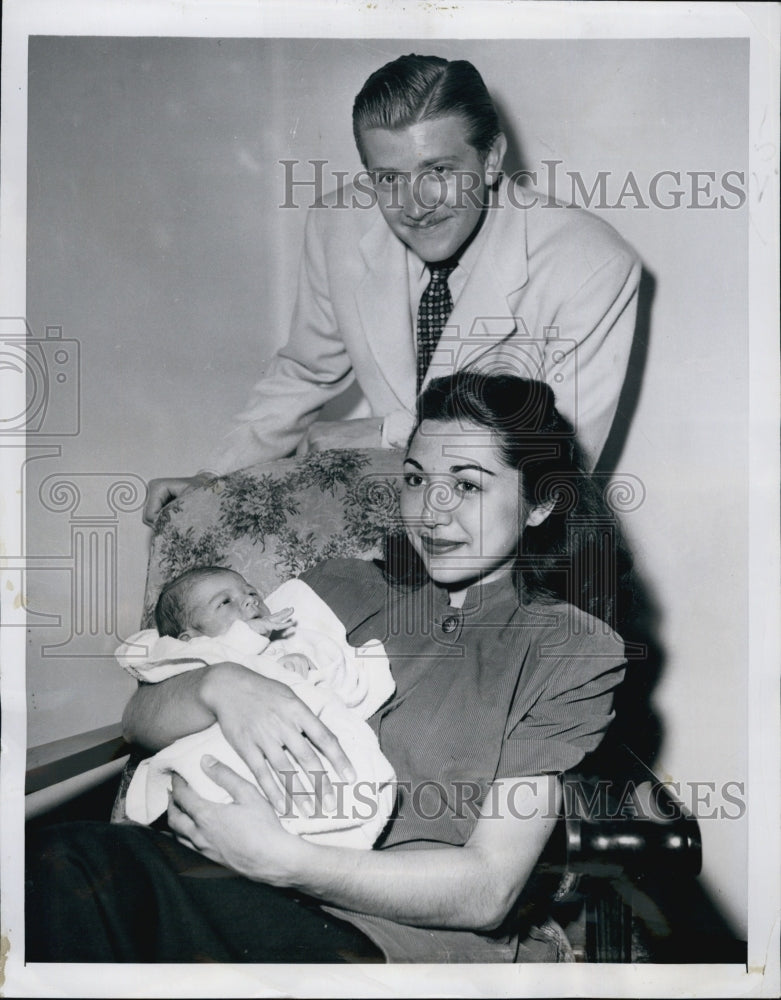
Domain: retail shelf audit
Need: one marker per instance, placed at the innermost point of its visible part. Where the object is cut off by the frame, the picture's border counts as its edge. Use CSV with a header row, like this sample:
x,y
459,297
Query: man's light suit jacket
x,y
552,294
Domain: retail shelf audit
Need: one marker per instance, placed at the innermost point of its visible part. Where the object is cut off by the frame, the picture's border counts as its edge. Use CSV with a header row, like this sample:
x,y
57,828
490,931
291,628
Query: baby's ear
x,y
184,636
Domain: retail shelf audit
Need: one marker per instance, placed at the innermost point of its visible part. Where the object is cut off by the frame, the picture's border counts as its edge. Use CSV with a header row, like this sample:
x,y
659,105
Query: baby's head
x,y
207,600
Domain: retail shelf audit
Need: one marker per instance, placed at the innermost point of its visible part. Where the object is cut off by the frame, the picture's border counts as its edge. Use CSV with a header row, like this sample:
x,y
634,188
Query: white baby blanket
x,y
346,686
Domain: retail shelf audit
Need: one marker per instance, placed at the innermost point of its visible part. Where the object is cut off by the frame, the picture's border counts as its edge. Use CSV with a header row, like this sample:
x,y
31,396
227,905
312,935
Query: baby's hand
x,y
297,662
281,624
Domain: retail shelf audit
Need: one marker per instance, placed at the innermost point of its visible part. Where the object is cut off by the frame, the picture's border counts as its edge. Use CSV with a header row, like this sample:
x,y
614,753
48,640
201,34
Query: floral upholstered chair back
x,y
271,522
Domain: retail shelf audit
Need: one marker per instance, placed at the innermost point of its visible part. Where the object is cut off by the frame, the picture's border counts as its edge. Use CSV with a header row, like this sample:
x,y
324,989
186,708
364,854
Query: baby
x,y
211,615
206,601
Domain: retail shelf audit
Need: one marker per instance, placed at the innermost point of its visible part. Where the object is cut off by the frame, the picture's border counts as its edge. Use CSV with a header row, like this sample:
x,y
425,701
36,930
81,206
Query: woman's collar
x,y
480,594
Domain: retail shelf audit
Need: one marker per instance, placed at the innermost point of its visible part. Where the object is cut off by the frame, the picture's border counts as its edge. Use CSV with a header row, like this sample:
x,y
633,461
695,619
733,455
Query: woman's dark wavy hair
x,y
577,554
416,88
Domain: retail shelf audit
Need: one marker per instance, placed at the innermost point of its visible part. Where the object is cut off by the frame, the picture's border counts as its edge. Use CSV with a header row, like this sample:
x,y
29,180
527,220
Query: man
x,y
447,265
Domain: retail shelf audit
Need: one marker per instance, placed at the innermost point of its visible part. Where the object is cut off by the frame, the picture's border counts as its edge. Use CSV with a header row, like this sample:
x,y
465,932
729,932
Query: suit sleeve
x,y
311,369
587,349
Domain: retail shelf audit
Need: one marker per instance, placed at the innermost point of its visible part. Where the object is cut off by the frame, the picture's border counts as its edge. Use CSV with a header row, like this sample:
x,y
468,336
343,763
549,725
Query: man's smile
x,y
428,224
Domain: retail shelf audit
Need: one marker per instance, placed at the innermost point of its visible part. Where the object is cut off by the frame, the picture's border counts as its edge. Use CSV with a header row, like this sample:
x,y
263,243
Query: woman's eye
x,y
465,487
412,479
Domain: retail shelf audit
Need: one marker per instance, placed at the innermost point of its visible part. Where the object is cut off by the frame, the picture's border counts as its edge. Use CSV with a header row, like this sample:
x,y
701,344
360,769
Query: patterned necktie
x,y
436,305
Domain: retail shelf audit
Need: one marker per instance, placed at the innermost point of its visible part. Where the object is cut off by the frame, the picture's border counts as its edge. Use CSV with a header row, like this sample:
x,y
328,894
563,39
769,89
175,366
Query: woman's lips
x,y
438,546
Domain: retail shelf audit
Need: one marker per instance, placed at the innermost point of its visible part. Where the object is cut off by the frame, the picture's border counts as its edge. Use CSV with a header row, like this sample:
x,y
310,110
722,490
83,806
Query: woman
x,y
493,613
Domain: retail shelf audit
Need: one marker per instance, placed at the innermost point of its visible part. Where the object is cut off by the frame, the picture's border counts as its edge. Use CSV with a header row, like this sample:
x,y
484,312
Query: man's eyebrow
x,y
448,158
431,162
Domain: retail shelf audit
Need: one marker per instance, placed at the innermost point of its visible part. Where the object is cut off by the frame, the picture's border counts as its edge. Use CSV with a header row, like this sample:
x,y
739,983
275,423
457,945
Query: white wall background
x,y
156,241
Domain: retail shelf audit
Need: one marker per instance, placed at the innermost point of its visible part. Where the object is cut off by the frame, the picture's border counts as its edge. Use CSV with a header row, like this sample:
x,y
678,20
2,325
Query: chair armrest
x,y
632,827
60,760
59,771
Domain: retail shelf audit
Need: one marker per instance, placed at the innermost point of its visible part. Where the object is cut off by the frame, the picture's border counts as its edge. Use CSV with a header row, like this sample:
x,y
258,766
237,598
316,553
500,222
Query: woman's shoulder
x,y
354,570
571,631
349,587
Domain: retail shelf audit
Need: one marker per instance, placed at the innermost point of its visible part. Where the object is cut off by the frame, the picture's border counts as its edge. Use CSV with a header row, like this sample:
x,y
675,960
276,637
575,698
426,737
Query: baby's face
x,y
215,602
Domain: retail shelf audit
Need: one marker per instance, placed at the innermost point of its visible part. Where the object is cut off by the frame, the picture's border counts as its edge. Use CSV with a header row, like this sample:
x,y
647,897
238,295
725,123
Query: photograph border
x,y
342,19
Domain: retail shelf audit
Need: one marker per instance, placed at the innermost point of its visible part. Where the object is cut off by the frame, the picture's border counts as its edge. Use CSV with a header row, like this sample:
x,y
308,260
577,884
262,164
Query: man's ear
x,y
492,170
539,513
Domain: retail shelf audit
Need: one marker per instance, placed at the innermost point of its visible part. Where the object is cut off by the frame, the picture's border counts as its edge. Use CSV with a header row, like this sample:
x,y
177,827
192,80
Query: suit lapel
x,y
382,299
483,315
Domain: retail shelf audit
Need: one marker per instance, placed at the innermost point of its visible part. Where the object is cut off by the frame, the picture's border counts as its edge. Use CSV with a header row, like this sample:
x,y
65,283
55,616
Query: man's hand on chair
x,y
162,491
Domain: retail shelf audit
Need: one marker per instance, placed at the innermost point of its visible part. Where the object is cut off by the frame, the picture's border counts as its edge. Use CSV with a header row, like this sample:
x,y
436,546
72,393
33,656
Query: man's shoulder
x,y
552,225
349,210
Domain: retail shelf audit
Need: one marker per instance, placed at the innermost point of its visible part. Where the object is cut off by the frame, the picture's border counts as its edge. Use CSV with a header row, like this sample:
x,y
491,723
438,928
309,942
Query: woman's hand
x,y
473,887
245,835
274,733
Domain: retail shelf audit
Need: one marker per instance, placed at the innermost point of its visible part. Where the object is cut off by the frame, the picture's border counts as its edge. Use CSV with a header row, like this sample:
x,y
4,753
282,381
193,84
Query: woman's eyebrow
x,y
465,467
471,467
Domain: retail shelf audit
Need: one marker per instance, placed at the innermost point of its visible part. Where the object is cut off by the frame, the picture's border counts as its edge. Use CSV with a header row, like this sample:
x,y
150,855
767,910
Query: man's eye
x,y
387,178
440,168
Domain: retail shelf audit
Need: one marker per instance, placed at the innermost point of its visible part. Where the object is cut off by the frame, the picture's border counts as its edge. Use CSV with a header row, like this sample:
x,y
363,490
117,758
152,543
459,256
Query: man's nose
x,y
419,199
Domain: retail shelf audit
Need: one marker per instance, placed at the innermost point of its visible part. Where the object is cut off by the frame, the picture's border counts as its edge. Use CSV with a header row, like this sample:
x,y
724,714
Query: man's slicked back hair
x,y
416,88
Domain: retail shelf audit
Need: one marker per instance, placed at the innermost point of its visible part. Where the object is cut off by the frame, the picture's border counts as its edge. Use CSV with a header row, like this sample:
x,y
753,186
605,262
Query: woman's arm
x,y
263,720
472,887
158,714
